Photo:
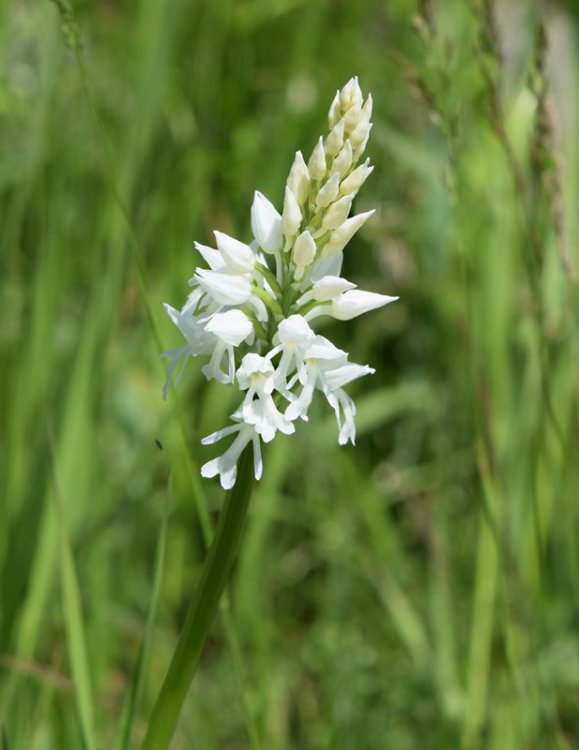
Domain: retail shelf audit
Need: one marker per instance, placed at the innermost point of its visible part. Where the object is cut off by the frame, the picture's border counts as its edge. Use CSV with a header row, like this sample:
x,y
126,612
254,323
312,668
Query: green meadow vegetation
x,y
418,590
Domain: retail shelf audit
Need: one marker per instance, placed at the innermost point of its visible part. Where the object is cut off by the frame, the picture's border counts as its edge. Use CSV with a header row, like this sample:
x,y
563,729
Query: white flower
x,y
318,354
331,384
226,465
265,224
216,336
199,341
230,329
293,338
256,376
328,370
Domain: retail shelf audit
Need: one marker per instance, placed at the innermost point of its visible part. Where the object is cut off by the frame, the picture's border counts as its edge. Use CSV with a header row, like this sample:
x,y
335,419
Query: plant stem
x,y
202,609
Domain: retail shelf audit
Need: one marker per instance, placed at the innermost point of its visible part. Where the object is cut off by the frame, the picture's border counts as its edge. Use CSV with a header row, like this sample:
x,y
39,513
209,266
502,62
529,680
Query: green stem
x,y
202,609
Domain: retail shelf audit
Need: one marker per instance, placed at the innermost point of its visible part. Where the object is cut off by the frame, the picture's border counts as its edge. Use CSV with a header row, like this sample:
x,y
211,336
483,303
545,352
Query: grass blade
x,y
138,679
74,623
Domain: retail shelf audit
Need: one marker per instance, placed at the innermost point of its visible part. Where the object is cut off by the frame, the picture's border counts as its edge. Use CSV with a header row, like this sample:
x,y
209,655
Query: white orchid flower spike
x,y
252,309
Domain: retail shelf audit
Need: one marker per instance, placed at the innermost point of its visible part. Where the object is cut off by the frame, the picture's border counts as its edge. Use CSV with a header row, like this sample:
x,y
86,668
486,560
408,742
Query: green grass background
x,y
420,590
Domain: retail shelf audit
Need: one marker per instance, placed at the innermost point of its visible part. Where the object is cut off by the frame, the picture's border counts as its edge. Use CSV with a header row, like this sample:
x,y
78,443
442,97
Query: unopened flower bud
x,y
343,160
329,191
351,95
334,114
343,234
298,180
354,181
335,139
356,302
317,163
359,150
337,213
292,215
352,118
303,253
367,108
330,287
360,132
265,223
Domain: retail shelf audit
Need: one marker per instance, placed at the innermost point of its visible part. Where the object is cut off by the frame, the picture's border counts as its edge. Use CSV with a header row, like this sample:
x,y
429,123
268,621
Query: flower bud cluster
x,y
250,310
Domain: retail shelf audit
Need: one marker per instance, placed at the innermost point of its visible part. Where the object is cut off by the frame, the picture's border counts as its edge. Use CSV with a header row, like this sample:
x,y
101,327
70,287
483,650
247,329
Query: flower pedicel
x,y
250,311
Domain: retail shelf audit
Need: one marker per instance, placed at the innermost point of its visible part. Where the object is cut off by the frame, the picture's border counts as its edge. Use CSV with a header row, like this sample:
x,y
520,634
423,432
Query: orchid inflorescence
x,y
251,310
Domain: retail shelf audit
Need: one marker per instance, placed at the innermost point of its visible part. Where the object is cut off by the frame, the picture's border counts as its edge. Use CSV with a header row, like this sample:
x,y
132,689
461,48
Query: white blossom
x,y
256,375
293,338
250,311
230,328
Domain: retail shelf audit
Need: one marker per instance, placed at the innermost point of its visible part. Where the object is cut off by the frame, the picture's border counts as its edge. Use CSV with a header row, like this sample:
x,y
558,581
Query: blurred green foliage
x,y
421,589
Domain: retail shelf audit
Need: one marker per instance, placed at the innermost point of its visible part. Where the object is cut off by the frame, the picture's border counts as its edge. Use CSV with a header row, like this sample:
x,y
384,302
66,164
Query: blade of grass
x,y
483,611
137,682
73,617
